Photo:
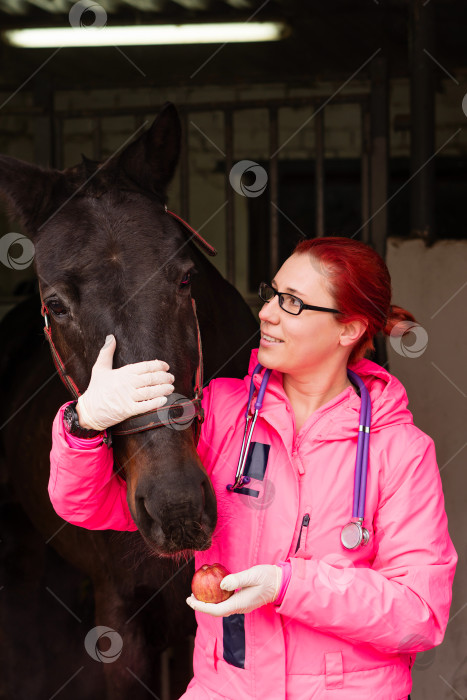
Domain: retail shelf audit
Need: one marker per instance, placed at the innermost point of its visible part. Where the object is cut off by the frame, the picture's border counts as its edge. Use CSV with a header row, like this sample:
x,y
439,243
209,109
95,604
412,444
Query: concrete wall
x,y
432,284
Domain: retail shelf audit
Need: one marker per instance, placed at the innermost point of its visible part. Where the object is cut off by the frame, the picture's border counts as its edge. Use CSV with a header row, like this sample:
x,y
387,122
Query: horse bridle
x,y
175,412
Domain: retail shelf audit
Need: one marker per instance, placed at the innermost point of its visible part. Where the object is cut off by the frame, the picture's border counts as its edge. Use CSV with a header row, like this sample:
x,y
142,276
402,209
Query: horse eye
x,y
186,279
56,307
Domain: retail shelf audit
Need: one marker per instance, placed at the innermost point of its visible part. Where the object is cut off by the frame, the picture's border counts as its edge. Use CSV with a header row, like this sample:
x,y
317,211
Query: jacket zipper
x,y
305,523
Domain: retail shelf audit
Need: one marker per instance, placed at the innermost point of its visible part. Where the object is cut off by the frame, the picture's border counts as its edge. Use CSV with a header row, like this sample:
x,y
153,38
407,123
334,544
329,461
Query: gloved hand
x,y
259,586
116,394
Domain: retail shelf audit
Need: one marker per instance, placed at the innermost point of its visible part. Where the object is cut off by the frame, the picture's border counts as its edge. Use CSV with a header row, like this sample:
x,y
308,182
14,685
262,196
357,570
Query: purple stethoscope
x,y
353,534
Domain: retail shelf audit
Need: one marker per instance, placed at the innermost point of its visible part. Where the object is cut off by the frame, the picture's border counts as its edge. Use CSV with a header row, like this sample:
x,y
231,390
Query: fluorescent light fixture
x,y
148,35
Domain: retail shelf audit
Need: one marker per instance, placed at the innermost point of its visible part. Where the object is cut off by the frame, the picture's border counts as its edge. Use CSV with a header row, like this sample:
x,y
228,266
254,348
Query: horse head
x,y
110,259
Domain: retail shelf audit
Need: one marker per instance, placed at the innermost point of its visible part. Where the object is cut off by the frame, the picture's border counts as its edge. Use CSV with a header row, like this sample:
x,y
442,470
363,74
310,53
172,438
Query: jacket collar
x,y
338,418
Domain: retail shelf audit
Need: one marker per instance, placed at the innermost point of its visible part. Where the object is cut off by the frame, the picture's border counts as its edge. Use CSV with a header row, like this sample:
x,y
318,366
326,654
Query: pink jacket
x,y
350,622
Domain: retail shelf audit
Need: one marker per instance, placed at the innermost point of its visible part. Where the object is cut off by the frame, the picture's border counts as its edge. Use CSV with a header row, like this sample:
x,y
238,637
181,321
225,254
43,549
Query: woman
x,y
311,618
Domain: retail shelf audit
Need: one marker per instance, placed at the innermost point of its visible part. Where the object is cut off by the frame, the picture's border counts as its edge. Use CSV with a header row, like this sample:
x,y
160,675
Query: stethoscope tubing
x,y
366,447
250,419
361,462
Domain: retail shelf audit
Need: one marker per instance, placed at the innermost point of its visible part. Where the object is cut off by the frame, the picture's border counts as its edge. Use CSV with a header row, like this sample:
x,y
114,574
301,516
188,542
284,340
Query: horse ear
x,y
27,191
150,161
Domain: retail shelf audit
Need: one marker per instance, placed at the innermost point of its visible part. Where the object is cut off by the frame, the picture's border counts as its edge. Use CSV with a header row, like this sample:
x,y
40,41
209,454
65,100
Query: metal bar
x,y
274,192
97,138
139,118
315,100
44,139
379,153
422,119
379,172
319,172
184,170
230,208
365,172
59,143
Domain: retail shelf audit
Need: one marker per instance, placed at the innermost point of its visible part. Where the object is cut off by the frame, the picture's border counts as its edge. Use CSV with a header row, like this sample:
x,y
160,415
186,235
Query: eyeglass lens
x,y
287,302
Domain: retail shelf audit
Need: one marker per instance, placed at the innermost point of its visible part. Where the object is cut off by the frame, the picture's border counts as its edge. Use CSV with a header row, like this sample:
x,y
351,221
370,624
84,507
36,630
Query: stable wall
x,y
207,148
430,282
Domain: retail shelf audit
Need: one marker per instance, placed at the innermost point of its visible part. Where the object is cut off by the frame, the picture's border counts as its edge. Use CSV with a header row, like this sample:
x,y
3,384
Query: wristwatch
x,y
72,426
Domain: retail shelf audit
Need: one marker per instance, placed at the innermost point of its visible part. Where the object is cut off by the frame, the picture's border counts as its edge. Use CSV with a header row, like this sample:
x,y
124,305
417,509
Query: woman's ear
x,y
352,332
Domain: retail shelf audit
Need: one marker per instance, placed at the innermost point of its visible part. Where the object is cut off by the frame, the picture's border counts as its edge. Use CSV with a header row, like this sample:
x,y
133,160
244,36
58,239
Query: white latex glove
x,y
116,394
259,586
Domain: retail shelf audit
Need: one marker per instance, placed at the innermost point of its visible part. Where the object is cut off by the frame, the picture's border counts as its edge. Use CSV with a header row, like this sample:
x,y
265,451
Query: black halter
x,y
179,412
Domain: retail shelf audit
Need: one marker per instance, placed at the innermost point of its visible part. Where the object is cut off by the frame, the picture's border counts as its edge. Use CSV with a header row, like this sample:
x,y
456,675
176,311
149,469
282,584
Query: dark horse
x,y
109,259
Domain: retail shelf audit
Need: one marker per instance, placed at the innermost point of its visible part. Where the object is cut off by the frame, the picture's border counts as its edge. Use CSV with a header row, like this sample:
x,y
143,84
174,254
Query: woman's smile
x,y
267,340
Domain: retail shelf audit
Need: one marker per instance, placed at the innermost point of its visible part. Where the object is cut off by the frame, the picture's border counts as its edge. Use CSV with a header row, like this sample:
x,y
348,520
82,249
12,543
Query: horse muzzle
x,y
174,521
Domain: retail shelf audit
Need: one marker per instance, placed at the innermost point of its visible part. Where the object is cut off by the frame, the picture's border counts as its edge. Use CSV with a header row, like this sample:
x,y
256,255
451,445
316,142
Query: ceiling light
x,y
146,35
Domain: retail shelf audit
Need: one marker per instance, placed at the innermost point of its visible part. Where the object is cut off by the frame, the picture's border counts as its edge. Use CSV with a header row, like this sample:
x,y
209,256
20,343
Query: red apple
x,y
205,583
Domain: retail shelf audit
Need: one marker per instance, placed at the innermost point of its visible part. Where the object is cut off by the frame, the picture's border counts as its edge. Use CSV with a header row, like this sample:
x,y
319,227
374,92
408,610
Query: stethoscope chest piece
x,y
354,534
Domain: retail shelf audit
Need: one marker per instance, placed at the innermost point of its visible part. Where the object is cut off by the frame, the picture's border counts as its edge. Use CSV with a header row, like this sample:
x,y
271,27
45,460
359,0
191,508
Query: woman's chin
x,y
267,359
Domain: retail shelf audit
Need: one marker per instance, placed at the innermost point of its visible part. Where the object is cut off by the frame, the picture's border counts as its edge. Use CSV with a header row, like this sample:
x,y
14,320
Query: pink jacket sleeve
x,y
83,488
401,603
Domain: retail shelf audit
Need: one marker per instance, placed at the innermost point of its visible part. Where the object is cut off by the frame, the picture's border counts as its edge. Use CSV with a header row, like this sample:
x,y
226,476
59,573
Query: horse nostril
x,y
146,521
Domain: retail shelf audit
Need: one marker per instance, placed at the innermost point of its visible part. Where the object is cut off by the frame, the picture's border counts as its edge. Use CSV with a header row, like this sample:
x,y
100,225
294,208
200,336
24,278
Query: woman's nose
x,y
270,310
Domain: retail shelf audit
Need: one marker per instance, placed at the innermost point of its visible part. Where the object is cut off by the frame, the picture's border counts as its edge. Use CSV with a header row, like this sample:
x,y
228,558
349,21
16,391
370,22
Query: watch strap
x,y
72,426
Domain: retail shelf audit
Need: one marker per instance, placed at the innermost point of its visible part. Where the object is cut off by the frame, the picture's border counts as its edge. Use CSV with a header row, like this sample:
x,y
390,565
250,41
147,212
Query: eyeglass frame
x,y
303,306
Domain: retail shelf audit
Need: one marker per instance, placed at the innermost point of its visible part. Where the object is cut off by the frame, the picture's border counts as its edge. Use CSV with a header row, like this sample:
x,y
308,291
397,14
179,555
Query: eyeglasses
x,y
288,302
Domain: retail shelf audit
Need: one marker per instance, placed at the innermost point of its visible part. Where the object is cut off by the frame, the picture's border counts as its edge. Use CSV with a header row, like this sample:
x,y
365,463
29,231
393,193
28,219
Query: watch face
x,y
71,423
68,417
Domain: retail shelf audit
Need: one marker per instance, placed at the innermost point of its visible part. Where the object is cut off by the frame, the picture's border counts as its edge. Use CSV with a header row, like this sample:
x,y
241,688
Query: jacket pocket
x,y
257,460
255,469
234,640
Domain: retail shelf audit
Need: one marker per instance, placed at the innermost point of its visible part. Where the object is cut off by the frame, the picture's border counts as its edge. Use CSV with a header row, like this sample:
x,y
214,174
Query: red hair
x,y
359,281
